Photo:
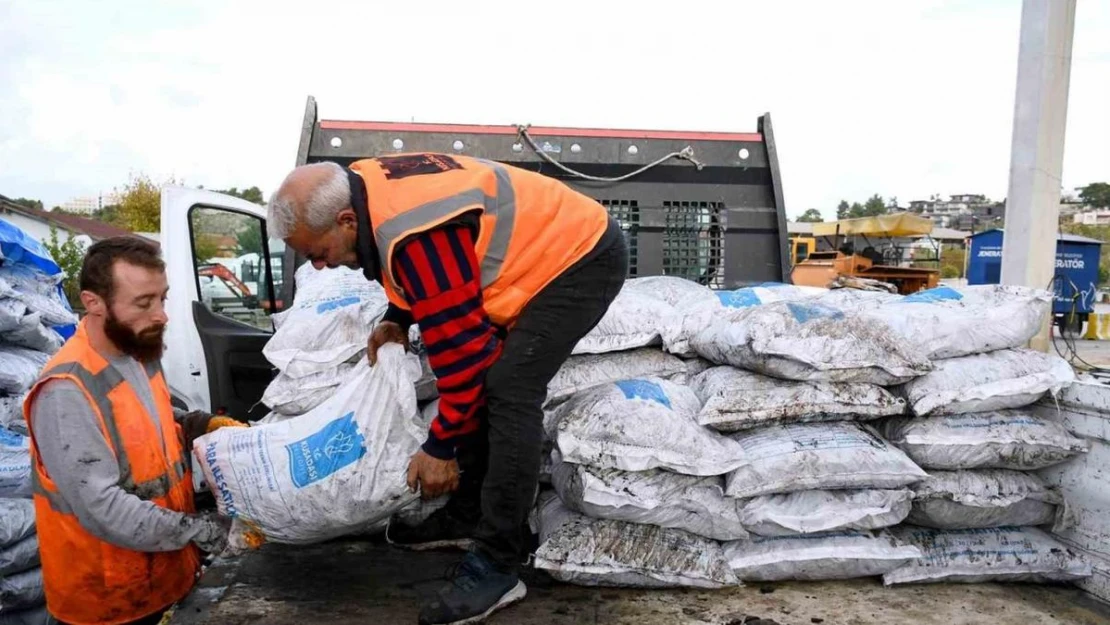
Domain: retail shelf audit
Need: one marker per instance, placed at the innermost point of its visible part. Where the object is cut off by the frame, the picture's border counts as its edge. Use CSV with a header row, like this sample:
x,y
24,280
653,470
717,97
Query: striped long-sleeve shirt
x,y
439,273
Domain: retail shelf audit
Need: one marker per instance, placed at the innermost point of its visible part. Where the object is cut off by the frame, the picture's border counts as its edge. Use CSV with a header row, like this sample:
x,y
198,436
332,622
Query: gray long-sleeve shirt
x,y
79,460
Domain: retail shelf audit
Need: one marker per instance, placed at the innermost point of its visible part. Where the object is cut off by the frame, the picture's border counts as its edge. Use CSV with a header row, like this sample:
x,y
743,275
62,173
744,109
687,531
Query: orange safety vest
x,y
88,581
531,227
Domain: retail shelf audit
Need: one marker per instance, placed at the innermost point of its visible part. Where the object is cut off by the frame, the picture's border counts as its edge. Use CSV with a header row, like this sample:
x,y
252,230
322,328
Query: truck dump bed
x,y
716,217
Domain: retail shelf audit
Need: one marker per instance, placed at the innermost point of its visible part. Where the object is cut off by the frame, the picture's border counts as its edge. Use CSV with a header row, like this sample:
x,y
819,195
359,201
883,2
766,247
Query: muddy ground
x,y
348,583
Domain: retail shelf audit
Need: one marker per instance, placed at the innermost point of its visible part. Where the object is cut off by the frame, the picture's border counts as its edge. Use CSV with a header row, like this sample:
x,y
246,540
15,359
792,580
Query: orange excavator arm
x,y
232,281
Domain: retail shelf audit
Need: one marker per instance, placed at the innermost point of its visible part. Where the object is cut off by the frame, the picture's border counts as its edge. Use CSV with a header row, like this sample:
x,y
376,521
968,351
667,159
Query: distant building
x,y
37,223
969,198
87,205
1094,217
962,211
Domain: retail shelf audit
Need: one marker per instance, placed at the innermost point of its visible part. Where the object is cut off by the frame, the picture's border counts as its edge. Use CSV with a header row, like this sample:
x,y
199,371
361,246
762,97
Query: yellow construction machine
x,y
842,261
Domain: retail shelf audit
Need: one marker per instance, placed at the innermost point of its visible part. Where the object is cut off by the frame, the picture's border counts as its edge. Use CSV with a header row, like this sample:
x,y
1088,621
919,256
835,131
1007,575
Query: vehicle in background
x,y
800,248
885,263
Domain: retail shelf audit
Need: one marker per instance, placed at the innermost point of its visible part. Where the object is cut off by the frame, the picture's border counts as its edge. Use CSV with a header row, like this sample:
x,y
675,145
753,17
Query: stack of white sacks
x,y
319,341
22,599
35,319
757,455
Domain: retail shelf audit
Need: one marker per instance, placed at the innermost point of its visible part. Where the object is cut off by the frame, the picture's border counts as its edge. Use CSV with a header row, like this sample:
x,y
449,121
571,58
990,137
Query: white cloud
x,y
897,98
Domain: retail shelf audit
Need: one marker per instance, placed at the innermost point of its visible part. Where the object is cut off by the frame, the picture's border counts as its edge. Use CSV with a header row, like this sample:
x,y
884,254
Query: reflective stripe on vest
x,y
502,207
98,386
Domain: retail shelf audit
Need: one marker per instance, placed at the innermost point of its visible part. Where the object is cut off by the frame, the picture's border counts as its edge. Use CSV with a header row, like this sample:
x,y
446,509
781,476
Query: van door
x,y
224,288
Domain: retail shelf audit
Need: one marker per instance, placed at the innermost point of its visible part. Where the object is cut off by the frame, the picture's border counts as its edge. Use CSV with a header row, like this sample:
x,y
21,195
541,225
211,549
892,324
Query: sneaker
x,y
476,590
443,529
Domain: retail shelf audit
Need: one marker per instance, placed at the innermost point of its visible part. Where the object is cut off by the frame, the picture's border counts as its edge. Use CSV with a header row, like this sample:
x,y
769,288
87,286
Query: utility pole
x,y
1037,149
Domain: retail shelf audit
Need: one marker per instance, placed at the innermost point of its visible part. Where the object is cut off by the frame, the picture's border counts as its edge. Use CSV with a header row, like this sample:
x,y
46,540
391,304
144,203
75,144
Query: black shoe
x,y
443,529
477,589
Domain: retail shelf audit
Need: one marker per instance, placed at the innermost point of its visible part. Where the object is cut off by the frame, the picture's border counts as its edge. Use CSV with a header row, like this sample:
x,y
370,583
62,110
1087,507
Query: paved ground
x,y
1094,352
349,582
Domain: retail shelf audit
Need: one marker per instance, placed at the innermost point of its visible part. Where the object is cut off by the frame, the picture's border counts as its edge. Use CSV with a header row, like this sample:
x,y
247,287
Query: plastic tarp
x,y
17,520
15,464
816,511
695,504
580,373
642,424
22,590
16,246
1007,439
896,225
825,456
1009,378
839,555
21,556
18,249
734,399
602,552
985,498
1003,554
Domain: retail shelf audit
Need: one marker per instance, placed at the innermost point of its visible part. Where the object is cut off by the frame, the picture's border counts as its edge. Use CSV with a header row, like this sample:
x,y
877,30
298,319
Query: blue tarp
x,y
19,248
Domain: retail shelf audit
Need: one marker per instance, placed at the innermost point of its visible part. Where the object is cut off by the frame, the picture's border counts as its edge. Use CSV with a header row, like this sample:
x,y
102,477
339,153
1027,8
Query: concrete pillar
x,y
1037,150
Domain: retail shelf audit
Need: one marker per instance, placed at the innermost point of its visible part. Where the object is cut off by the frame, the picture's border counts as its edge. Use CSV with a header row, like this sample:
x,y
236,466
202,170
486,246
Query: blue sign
x,y
1076,279
740,298
939,294
643,389
335,446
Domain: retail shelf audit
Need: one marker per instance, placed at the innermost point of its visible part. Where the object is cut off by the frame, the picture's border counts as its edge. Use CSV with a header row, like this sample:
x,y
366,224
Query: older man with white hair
x,y
503,270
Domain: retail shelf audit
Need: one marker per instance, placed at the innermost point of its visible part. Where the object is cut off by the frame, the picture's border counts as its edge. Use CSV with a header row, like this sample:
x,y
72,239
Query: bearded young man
x,y
119,538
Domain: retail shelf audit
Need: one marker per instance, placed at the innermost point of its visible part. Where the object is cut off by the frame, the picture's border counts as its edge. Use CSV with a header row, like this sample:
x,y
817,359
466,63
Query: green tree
x,y
29,203
856,210
206,247
140,206
842,209
69,255
952,261
892,202
811,216
253,194
874,206
1096,194
110,214
249,241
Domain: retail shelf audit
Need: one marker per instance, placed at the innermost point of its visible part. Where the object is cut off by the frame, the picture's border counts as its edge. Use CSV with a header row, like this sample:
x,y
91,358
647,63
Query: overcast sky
x,y
903,98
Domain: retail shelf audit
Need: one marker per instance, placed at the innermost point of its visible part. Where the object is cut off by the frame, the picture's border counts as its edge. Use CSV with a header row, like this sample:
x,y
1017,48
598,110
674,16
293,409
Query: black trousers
x,y
501,463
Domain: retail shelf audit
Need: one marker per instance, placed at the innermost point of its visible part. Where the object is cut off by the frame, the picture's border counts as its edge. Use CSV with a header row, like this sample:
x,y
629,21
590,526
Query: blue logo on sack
x,y
740,298
9,438
939,294
642,389
335,446
324,307
804,313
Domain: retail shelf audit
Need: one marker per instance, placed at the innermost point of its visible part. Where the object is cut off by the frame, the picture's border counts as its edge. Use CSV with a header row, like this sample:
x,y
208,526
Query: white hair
x,y
316,209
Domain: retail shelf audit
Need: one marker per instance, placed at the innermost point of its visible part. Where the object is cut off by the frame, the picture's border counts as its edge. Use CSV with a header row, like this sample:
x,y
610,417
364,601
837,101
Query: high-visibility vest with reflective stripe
x,y
88,580
531,227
